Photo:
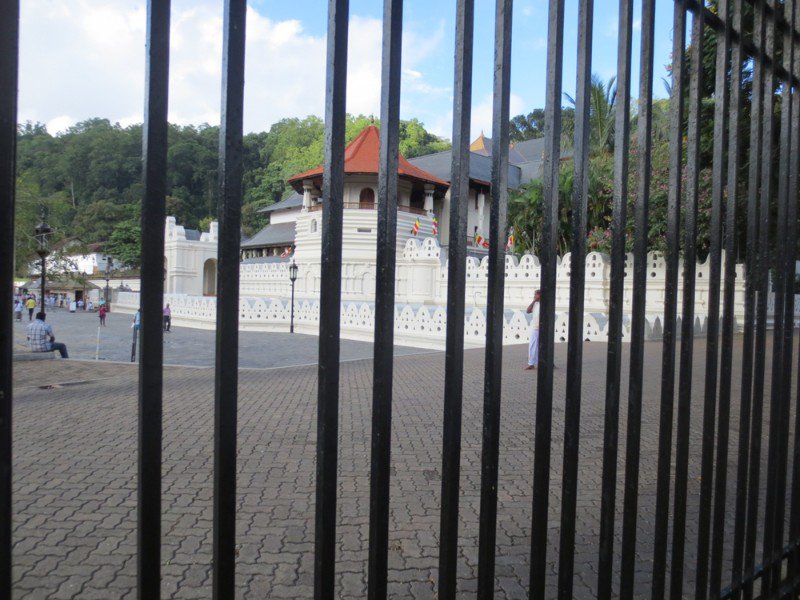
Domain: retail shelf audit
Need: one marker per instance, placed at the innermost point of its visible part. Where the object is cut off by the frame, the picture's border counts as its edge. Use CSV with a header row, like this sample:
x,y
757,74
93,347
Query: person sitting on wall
x,y
42,339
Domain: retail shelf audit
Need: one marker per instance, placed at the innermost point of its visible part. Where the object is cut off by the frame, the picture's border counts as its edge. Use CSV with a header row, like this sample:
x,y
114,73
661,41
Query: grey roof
x,y
292,201
480,167
531,150
278,234
192,235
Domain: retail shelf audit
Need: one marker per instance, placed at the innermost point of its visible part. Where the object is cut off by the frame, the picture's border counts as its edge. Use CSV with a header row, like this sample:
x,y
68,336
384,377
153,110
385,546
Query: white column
x,y
429,199
481,203
306,194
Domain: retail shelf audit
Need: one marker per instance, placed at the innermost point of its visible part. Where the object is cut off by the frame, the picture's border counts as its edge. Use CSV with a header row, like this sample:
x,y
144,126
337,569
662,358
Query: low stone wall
x,y
417,325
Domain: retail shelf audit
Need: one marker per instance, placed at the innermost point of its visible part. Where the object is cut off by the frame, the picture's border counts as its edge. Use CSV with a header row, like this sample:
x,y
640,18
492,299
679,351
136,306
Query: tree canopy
x,y
90,176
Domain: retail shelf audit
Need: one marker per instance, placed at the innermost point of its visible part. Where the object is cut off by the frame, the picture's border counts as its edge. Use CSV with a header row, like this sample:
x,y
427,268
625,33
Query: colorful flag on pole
x,y
415,228
287,252
435,226
485,243
510,242
478,239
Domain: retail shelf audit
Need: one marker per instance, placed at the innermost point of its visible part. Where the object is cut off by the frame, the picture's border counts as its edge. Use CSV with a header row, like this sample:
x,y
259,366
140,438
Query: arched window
x,y
210,277
313,226
366,199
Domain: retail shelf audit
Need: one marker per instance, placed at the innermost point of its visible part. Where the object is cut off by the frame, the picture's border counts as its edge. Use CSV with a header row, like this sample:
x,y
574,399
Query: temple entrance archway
x,y
210,277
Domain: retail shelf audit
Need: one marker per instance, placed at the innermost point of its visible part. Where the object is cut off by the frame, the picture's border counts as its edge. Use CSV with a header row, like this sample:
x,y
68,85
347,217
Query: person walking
x,y
30,304
18,309
533,345
103,311
42,339
167,317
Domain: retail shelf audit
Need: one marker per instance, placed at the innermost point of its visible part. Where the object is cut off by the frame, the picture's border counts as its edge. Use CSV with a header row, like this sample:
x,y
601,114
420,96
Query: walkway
x,y
75,436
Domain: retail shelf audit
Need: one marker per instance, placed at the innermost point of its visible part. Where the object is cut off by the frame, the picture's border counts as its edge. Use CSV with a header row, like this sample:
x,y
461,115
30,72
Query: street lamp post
x,y
41,232
109,266
292,277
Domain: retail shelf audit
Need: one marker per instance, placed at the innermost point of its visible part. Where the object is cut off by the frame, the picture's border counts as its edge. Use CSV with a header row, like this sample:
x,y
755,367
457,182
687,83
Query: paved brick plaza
x,y
75,476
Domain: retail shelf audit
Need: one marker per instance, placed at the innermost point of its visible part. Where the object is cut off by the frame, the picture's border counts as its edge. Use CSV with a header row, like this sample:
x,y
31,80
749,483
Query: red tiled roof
x,y
361,156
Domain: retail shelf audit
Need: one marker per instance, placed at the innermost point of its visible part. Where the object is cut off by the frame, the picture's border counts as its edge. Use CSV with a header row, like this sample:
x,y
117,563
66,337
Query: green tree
x,y
29,205
527,127
125,244
602,103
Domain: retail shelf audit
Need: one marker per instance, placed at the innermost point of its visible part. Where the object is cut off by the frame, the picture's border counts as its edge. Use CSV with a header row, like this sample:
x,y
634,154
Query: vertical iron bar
x,y
330,301
456,282
779,397
494,306
746,416
227,339
721,99
636,375
9,73
687,318
384,300
577,283
794,183
614,358
723,425
548,256
765,158
152,349
670,301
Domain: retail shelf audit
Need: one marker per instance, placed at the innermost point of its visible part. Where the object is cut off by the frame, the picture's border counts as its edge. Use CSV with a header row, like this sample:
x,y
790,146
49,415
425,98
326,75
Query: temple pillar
x,y
307,187
428,206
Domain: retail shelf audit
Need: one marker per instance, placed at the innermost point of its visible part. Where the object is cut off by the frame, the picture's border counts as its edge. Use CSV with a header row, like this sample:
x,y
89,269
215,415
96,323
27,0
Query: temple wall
x,y
421,293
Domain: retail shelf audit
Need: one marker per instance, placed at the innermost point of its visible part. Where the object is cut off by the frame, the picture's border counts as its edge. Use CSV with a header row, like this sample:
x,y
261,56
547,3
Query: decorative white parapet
x,y
420,291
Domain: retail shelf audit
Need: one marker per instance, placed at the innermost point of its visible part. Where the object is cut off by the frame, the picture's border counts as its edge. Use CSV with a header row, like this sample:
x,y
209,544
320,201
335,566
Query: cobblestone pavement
x,y
75,477
188,346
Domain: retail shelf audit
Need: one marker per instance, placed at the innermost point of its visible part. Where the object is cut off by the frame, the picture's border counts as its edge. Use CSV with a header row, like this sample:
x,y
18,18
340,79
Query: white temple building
x,y
421,275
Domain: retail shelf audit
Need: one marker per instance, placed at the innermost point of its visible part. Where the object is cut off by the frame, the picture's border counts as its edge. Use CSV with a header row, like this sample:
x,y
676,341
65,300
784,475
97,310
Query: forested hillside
x,y
90,177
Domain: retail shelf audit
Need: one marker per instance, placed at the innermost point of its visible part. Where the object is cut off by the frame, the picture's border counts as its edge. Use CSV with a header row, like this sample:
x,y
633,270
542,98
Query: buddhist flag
x,y
415,228
510,242
435,226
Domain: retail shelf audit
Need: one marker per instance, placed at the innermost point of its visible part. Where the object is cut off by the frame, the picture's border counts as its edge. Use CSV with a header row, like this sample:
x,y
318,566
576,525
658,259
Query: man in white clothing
x,y
533,345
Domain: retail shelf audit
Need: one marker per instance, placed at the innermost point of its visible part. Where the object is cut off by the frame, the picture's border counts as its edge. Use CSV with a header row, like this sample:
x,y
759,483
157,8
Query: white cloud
x,y
85,58
364,66
482,114
78,58
60,124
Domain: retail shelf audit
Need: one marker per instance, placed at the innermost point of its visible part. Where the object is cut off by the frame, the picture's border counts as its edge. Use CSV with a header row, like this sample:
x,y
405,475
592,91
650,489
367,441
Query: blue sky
x,y
85,58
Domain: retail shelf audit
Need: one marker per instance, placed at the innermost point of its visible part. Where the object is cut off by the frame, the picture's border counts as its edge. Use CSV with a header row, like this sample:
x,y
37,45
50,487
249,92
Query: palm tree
x,y
602,102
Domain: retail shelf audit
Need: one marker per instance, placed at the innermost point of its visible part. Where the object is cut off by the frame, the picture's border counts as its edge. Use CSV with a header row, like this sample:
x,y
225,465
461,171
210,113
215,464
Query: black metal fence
x,y
757,61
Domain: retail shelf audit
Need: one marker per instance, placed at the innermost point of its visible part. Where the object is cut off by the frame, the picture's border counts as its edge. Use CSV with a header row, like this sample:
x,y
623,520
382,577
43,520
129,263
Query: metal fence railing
x,y
757,61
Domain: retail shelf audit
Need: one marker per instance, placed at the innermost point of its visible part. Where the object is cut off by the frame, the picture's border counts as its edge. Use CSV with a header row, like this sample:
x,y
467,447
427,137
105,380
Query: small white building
x,y
190,260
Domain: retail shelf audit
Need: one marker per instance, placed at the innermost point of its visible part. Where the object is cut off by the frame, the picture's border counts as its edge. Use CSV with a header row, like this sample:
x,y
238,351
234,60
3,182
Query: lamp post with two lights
x,y
293,268
109,267
41,233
